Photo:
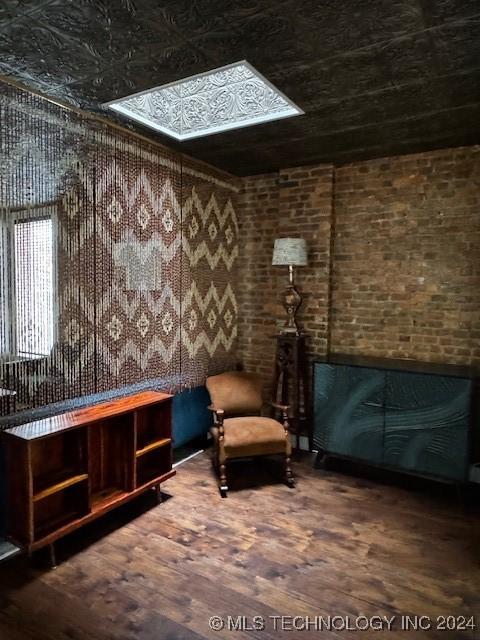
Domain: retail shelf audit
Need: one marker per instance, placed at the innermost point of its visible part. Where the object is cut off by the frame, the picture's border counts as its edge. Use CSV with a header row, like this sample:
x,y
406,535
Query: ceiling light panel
x,y
222,99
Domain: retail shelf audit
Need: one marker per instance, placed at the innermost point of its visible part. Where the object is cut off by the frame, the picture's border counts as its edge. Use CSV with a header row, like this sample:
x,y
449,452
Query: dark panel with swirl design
x,y
413,422
348,410
427,423
376,78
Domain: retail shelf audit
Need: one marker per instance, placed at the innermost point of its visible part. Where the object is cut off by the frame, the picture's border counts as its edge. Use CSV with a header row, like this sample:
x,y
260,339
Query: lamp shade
x,y
290,251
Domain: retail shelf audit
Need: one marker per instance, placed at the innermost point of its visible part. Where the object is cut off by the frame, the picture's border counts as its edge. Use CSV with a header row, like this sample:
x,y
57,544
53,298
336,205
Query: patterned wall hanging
x,y
142,245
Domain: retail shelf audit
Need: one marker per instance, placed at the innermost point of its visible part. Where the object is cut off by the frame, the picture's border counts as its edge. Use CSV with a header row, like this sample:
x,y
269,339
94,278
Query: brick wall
x,y
294,202
256,291
406,269
405,265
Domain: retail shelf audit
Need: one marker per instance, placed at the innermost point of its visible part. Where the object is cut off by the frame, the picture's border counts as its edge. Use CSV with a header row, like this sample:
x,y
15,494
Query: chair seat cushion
x,y
252,436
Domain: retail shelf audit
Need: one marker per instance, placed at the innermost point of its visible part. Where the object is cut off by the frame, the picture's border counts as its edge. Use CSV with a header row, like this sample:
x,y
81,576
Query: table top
x,y
87,415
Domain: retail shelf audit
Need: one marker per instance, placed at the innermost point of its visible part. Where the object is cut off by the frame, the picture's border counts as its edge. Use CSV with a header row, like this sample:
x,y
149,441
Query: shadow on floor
x,y
465,497
254,473
89,534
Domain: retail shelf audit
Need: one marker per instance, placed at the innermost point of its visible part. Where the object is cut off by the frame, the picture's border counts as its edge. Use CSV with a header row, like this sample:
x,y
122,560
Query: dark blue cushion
x,y
191,418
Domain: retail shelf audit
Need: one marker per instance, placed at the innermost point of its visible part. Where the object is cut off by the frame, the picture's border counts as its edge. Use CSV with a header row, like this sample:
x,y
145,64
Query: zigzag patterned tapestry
x,y
144,246
210,248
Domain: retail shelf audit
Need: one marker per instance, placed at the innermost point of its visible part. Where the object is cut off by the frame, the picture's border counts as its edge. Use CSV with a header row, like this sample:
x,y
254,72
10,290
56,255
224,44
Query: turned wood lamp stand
x,y
290,384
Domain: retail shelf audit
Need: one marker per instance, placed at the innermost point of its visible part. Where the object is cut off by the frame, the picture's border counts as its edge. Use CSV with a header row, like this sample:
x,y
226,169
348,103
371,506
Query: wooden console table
x,y
69,469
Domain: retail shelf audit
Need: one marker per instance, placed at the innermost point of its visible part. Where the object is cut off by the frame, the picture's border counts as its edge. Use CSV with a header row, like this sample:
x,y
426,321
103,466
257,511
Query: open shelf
x,y
152,424
106,496
53,524
151,447
58,482
153,464
111,453
56,460
59,509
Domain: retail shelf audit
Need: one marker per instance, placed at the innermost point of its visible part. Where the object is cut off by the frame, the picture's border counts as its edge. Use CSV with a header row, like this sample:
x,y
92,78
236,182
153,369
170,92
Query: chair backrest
x,y
236,392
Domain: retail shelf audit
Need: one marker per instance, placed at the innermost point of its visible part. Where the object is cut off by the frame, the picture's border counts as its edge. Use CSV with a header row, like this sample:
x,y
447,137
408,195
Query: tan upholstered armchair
x,y
240,431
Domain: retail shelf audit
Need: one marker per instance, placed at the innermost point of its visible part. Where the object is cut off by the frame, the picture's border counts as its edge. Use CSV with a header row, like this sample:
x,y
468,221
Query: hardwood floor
x,y
337,545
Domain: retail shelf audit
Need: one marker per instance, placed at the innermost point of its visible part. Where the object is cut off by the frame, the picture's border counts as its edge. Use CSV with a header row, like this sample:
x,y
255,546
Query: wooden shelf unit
x,y
68,470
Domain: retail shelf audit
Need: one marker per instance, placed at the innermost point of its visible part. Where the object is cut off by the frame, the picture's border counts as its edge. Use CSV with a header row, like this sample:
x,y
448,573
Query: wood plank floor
x,y
337,545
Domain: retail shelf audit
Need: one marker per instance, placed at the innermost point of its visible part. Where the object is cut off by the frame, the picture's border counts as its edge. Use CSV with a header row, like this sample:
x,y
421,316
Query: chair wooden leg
x,y
223,481
288,472
53,558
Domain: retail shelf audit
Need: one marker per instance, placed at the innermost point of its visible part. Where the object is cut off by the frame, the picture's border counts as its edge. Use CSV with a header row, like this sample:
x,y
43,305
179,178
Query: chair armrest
x,y
281,407
219,412
218,420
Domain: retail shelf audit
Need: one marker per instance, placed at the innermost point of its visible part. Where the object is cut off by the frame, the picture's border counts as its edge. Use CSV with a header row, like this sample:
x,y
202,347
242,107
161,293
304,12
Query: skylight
x,y
231,97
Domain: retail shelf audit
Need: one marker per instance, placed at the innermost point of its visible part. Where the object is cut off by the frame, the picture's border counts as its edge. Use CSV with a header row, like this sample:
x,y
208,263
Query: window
x,y
27,280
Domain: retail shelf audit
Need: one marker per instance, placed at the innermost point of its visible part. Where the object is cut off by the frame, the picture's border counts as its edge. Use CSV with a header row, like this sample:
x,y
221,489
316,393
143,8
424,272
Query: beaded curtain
x,y
144,246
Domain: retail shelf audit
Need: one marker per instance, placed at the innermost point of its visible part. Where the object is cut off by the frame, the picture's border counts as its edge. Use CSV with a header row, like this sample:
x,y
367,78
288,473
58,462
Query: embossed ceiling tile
x,y
234,11
408,59
221,46
268,133
351,25
107,82
458,46
386,148
320,53
421,127
441,11
326,82
168,66
394,18
294,34
173,64
11,9
190,18
5,70
373,142
267,38
38,74
98,91
242,164
45,53
114,31
224,98
368,110
432,95
463,88
347,115
367,142
178,63
383,148
38,80
7,14
462,119
141,73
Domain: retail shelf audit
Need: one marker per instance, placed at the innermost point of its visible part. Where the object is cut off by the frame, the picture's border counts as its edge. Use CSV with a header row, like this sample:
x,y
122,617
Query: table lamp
x,y
291,252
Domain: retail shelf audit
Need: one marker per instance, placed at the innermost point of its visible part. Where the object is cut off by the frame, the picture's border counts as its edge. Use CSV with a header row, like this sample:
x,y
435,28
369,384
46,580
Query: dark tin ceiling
x,y
375,77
